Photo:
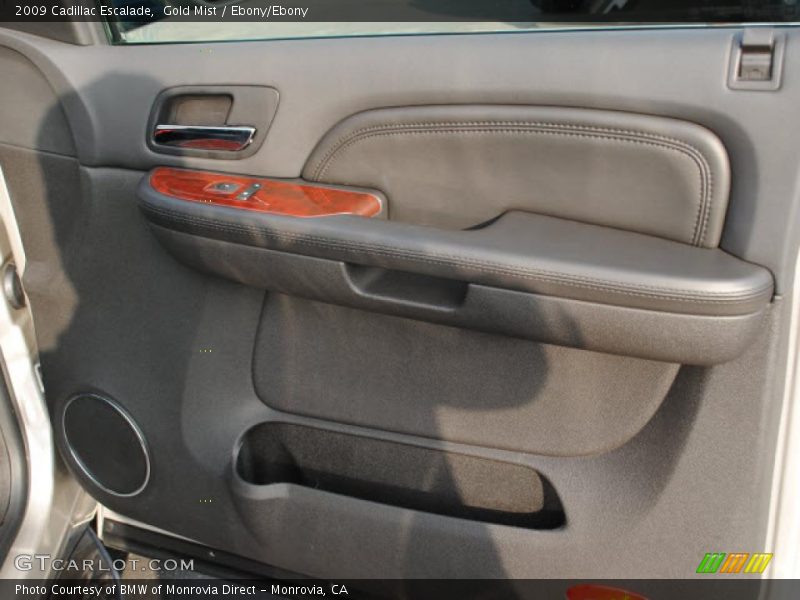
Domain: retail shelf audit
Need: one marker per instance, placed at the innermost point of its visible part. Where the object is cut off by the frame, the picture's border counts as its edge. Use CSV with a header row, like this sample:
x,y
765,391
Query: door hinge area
x,y
756,61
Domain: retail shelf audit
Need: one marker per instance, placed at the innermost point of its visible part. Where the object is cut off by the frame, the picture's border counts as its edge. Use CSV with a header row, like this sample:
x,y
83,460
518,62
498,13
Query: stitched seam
x,y
439,259
549,124
706,180
700,220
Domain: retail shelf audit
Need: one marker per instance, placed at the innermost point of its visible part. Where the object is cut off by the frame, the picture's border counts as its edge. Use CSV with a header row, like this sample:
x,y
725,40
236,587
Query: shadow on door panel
x,y
134,329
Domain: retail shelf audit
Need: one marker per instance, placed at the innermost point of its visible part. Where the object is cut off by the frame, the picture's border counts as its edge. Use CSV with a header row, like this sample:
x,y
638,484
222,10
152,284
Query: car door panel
x,y
212,326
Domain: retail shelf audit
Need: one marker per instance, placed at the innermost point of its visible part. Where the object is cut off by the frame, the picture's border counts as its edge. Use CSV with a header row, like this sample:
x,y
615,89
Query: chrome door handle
x,y
225,138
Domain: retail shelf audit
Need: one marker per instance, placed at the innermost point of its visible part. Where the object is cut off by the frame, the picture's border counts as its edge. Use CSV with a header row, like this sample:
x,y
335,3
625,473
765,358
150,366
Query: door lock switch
x,y
756,64
756,60
247,193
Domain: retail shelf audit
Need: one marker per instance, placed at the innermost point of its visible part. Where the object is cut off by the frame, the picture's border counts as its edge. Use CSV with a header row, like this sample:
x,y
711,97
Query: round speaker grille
x,y
107,444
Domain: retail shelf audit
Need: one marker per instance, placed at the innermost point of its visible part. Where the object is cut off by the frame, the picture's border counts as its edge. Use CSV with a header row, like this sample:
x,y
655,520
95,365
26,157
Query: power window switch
x,y
224,187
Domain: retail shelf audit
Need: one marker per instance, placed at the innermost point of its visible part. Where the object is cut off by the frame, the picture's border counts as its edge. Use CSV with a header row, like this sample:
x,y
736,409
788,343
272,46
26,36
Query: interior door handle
x,y
226,138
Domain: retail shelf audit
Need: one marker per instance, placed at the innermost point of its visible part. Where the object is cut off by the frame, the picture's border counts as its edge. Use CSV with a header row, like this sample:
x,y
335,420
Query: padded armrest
x,y
519,251
525,275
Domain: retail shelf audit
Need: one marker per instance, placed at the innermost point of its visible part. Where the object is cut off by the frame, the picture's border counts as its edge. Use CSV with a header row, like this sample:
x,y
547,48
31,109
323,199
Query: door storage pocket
x,y
401,475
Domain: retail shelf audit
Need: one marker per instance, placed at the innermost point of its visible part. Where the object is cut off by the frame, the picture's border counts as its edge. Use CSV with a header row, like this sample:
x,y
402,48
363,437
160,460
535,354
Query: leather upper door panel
x,y
458,166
